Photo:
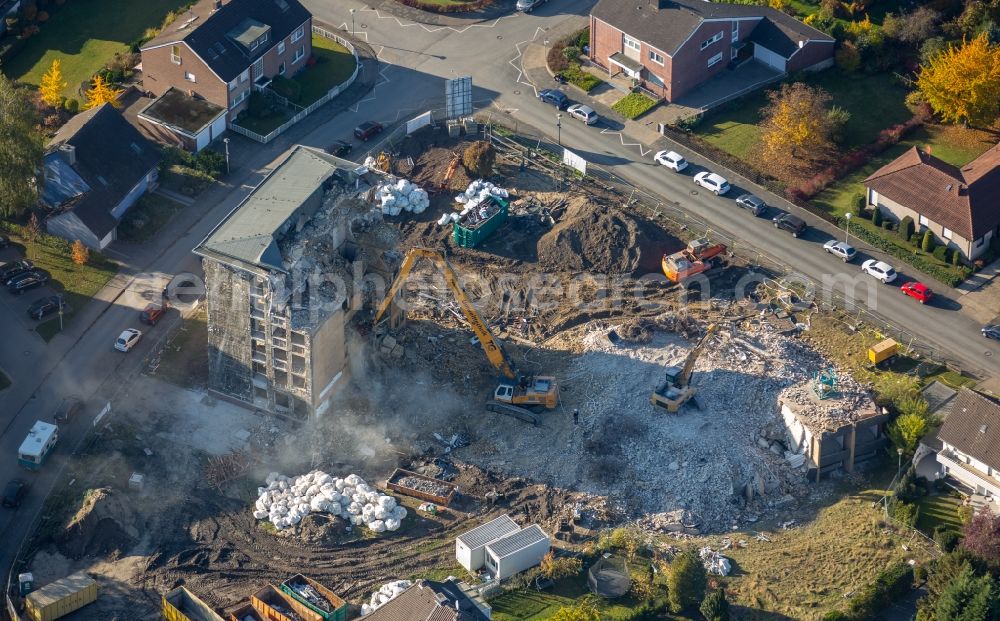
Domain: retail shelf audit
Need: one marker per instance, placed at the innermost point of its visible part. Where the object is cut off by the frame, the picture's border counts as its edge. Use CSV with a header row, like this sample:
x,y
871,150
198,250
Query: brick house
x,y
219,52
672,46
958,205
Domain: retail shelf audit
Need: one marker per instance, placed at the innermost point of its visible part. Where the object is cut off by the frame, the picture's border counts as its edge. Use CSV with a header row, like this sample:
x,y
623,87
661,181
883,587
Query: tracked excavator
x,y
677,390
520,396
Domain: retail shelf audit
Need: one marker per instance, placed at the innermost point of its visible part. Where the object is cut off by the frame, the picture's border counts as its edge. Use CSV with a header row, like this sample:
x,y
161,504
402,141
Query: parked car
x,y
14,492
128,339
791,223
68,409
752,204
840,249
14,268
711,181
367,129
340,148
43,307
151,314
555,97
671,159
584,113
528,5
991,331
879,269
27,281
918,291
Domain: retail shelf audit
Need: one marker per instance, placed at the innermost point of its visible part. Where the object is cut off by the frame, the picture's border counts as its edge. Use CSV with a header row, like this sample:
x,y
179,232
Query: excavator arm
x,y
685,376
493,348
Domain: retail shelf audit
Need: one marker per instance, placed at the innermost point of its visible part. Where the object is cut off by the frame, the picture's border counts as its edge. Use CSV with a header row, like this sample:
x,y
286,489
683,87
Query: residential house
x,y
219,52
96,167
966,449
429,600
960,206
672,46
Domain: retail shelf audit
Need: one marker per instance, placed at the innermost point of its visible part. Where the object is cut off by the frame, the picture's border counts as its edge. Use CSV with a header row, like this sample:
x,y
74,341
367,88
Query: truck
x,y
59,598
480,222
38,445
316,597
183,605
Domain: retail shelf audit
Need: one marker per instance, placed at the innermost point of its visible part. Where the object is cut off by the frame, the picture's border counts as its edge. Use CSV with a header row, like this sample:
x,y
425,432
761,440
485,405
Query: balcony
x,y
975,479
280,365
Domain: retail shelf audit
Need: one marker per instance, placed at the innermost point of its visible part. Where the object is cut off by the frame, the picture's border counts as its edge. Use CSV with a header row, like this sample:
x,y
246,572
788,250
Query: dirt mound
x,y
599,238
101,527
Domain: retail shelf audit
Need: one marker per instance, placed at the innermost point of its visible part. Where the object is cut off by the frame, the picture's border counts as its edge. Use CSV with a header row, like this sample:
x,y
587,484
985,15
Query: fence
x,y
304,112
548,156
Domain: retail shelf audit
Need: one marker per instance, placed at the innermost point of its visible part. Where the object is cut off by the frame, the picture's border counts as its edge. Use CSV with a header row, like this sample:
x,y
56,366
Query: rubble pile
x,y
285,501
477,204
715,564
423,485
382,596
849,403
397,196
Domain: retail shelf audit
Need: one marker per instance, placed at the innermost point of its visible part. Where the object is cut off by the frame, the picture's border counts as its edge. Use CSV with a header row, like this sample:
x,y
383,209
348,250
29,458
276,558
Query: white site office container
x,y
517,552
470,547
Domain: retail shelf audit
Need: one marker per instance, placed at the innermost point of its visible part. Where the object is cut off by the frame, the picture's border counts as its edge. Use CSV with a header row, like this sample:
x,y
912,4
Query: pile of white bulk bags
x,y
384,594
285,501
402,195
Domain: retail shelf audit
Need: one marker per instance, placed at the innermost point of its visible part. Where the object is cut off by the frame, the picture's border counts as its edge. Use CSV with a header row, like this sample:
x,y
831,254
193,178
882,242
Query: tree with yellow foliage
x,y
962,83
797,128
79,252
52,84
101,93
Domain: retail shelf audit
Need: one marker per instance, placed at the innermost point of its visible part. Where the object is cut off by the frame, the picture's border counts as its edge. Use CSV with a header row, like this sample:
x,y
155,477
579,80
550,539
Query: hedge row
x,y
872,600
475,5
944,274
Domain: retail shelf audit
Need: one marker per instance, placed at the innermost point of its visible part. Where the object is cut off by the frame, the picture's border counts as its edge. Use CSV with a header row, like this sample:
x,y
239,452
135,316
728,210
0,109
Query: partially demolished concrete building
x,y
285,272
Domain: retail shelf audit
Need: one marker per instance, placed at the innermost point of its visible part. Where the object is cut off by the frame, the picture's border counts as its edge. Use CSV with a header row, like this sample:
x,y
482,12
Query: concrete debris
x,y
715,563
423,485
285,501
849,403
382,596
396,196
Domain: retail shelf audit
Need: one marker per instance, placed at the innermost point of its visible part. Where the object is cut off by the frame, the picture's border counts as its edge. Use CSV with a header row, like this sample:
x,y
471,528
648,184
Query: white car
x,y
840,249
128,339
671,159
879,269
584,113
711,181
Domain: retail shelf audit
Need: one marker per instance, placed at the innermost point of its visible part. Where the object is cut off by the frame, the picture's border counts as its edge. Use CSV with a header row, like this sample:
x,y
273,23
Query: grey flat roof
x,y
251,231
517,541
490,531
177,109
248,31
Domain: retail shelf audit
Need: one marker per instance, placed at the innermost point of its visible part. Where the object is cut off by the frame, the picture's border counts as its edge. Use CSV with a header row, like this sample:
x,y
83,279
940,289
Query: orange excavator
x,y
699,257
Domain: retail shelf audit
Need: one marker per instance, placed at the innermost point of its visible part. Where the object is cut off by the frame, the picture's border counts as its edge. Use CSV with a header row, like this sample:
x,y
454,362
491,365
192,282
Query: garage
x,y
769,58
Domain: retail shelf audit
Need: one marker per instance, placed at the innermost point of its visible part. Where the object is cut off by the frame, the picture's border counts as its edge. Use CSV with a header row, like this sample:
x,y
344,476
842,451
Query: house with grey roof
x,y
671,47
285,272
502,547
95,169
429,600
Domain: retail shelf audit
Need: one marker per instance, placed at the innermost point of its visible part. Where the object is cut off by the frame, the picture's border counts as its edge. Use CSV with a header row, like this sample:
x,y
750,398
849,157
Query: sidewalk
x,y
497,9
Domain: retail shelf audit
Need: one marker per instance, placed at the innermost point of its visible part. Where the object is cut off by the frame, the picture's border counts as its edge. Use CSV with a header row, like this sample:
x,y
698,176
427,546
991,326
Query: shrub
x,y
904,512
686,582
289,89
906,228
71,105
888,586
479,158
877,216
210,162
956,257
555,58
633,105
835,615
950,276
946,539
580,78
571,53
583,38
715,607
920,573
941,253
927,243
80,253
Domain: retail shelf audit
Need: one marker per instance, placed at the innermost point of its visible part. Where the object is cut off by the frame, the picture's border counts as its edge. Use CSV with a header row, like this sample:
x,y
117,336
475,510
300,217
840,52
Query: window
x,y
733,54
656,58
946,233
715,60
245,75
298,34
923,221
628,41
253,44
281,69
232,85
716,37
299,53
872,197
239,98
189,76
979,242
281,47
175,54
736,32
263,39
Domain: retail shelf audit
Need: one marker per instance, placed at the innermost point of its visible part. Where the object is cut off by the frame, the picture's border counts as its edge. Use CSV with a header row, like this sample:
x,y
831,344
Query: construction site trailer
x,y
246,612
312,594
59,598
183,605
273,605
473,228
423,487
37,445
882,351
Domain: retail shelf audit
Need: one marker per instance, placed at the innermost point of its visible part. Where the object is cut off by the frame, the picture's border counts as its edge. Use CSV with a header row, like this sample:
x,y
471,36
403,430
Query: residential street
x,y
415,61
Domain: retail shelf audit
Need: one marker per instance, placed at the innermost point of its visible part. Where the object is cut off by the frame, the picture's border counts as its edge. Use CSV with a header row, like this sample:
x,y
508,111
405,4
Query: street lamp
x,y
899,465
353,11
559,129
226,142
847,234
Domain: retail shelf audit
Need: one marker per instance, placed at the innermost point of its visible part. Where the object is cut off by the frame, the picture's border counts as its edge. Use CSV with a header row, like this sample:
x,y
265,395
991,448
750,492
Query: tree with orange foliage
x,y
962,83
80,253
52,84
101,93
798,128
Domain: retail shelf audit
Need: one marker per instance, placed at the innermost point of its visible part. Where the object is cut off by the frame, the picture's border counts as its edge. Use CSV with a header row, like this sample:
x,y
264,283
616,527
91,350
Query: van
x,y
151,314
528,6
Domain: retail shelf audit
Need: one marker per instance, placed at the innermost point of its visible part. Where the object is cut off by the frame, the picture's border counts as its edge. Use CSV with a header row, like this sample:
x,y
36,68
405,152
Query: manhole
x,y
986,353
364,25
694,192
517,92
499,36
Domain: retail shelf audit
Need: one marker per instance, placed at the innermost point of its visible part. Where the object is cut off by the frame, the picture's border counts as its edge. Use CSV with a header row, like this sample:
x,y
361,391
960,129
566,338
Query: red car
x,y
918,291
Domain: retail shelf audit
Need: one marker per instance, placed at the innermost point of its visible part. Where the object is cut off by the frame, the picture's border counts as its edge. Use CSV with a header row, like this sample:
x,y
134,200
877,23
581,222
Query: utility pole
x,y
353,11
226,142
559,129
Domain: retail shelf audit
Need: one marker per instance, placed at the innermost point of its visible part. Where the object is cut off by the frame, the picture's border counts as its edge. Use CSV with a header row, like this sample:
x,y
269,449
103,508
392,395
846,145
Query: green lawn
x,y
334,64
4,380
265,125
146,217
532,605
634,105
84,35
939,510
76,283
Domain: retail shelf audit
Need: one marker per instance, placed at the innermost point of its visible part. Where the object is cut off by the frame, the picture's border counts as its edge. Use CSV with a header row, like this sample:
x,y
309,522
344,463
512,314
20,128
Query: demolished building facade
x,y
285,272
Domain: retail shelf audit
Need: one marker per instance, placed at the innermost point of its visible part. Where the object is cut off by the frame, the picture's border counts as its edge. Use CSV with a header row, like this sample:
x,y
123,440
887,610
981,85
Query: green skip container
x,y
469,234
338,607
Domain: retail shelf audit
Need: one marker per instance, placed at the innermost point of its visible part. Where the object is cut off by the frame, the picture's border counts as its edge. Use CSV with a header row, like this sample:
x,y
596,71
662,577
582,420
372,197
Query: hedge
x,y
872,600
580,78
475,5
944,274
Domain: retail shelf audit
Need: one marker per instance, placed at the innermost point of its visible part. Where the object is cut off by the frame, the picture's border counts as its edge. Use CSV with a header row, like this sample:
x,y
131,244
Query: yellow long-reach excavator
x,y
677,390
516,395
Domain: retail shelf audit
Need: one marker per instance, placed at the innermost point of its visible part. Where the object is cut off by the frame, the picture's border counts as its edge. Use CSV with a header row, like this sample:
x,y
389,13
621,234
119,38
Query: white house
x,y
517,552
470,547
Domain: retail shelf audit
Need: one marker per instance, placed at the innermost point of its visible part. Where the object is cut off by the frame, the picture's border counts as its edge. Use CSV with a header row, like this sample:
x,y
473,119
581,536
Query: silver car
x,y
584,113
840,249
